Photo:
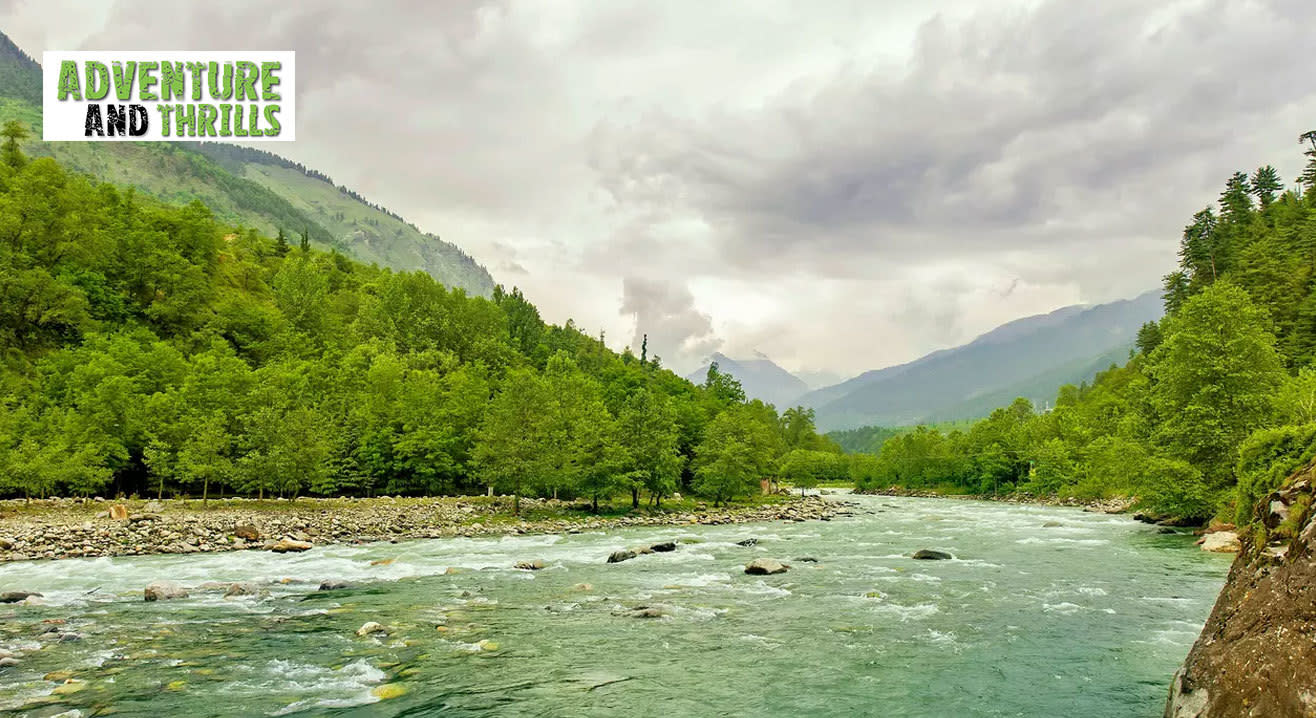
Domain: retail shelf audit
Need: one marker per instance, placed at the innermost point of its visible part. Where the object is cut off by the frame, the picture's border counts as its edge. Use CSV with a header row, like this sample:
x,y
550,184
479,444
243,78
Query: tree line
x,y
1216,405
149,349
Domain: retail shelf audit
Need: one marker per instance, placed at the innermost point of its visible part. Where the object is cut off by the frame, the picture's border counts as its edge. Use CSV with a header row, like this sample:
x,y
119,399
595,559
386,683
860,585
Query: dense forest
x,y
148,349
1216,404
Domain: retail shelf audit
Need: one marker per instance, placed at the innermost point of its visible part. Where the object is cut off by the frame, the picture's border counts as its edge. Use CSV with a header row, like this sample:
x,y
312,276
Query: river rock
x,y
16,596
246,532
333,585
119,512
663,547
765,567
535,565
643,612
370,627
619,556
289,545
241,588
748,542
1221,542
9,662
927,554
587,587
164,591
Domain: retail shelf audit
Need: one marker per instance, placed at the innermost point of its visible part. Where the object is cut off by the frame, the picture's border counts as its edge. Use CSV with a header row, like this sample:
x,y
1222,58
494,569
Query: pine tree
x,y
1265,183
306,240
281,244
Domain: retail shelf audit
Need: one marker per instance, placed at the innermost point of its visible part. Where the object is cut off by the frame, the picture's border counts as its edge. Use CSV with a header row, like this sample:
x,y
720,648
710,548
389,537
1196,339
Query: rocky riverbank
x,y
67,528
1256,653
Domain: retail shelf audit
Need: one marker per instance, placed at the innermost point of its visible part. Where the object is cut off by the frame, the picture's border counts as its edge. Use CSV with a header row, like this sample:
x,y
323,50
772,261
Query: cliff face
x,y
1257,653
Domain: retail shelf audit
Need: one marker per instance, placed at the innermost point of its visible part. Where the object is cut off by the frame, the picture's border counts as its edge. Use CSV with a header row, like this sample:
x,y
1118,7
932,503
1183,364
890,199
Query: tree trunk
x,y
596,503
205,491
635,497
516,504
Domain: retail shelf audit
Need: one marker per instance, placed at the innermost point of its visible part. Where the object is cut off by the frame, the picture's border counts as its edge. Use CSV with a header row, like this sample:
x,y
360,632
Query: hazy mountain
x,y
243,186
760,377
1030,357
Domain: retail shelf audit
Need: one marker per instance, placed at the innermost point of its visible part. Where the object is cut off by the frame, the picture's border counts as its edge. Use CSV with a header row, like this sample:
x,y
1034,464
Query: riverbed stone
x,y
241,588
622,555
246,532
1221,542
765,567
534,565
16,596
333,585
371,627
290,545
748,542
164,591
927,554
119,512
663,547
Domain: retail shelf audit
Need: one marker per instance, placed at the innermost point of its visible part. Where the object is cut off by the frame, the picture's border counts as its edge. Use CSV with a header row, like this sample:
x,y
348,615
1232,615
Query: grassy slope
x,y
254,194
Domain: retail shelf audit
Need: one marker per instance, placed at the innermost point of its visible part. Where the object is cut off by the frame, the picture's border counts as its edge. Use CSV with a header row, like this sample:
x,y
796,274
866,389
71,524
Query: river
x,y
1043,612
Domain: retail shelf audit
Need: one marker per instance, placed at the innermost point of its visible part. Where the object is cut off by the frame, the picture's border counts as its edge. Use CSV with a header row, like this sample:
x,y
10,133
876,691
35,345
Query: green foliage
x,y
150,349
739,449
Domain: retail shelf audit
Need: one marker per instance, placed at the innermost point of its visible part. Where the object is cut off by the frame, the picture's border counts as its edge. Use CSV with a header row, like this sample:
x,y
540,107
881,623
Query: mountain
x,y
1030,357
243,186
760,377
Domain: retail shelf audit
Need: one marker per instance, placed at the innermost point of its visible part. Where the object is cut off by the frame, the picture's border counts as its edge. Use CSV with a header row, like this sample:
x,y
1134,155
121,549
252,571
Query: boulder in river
x,y
333,585
663,547
16,596
622,555
289,545
765,567
164,591
241,588
370,627
9,662
927,554
534,565
748,542
1221,542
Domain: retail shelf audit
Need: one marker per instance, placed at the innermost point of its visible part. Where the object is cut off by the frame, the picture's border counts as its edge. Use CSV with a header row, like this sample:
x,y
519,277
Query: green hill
x,y
243,186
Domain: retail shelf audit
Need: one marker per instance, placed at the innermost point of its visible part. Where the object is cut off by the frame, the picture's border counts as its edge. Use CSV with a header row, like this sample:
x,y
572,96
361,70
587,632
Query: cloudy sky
x,y
839,185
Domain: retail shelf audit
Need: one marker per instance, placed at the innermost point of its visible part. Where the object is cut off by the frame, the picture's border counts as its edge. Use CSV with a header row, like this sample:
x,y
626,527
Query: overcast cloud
x,y
840,185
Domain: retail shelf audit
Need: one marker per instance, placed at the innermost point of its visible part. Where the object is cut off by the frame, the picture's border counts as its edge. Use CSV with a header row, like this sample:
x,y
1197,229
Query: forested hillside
x,y
153,349
243,186
1217,405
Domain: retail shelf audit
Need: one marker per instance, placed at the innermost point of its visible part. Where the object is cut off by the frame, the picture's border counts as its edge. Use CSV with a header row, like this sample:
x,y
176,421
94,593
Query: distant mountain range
x,y
1030,357
243,186
760,378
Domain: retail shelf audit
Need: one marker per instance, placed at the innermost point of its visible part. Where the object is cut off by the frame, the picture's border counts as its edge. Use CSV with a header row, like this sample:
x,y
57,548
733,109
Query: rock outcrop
x,y
1256,653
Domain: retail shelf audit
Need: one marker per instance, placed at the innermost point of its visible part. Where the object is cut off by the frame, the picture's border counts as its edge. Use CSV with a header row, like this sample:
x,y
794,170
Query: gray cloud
x,y
841,186
665,311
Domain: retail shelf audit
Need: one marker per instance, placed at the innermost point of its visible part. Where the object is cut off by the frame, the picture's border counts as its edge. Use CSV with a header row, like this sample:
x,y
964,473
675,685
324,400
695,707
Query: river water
x,y
1043,612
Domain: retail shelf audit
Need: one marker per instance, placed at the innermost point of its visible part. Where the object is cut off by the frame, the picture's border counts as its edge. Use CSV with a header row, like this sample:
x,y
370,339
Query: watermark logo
x,y
169,96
